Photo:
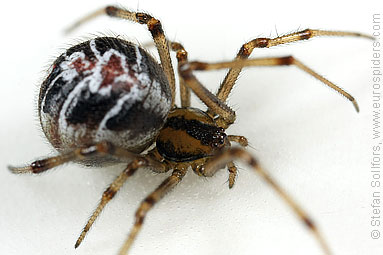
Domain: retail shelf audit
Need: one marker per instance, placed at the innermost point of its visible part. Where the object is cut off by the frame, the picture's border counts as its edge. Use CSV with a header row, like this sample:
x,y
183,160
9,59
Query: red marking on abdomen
x,y
81,67
111,70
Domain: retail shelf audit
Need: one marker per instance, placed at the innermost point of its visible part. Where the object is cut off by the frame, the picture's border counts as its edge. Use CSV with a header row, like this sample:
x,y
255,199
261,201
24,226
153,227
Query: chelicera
x,y
106,100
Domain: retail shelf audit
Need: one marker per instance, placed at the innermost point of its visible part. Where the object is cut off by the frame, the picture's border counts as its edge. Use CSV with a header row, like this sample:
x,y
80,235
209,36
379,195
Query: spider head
x,y
190,134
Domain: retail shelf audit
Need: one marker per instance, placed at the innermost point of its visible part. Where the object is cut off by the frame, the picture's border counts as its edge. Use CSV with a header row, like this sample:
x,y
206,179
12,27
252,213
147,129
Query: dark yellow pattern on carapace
x,y
190,134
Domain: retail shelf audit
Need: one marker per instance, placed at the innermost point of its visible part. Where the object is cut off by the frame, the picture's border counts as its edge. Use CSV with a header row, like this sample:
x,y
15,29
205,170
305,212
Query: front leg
x,y
227,116
247,48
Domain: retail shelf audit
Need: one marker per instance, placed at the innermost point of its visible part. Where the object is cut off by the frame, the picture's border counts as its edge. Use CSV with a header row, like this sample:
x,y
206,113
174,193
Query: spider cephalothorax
x,y
106,100
190,134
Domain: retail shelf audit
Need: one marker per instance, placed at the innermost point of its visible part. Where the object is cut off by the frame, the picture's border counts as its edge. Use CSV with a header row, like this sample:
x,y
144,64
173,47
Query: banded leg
x,y
110,192
155,28
182,57
98,150
233,170
186,71
227,115
235,153
167,185
247,48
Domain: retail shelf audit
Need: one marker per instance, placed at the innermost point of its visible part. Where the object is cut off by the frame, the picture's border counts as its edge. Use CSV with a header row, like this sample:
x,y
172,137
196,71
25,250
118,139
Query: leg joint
x,y
39,166
181,55
286,61
150,200
109,193
143,18
155,27
261,42
306,34
111,11
245,50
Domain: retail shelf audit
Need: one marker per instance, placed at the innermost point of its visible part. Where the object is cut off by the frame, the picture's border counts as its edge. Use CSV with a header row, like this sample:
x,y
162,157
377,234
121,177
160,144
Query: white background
x,y
308,137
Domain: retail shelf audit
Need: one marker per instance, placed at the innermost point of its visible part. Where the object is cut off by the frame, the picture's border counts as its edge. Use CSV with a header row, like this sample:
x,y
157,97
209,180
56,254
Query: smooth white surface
x,y
308,137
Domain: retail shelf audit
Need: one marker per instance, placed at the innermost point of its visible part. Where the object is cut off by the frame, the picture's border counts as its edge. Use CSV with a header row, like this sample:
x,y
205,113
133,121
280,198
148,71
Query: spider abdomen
x,y
104,89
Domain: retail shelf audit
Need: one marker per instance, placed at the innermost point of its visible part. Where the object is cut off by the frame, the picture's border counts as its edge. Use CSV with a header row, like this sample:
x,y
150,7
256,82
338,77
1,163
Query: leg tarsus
x,y
247,48
110,192
167,185
231,154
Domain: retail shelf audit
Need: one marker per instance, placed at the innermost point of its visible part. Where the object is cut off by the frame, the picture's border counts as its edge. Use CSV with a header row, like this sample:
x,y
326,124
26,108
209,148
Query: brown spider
x,y
106,101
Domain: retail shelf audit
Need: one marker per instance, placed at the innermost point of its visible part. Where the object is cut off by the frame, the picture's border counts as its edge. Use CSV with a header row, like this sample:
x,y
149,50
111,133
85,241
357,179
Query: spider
x,y
106,100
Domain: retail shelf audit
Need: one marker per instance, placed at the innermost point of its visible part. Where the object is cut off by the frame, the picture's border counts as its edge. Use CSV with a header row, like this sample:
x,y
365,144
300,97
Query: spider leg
x,y
241,140
233,170
167,185
247,48
227,115
187,68
110,192
217,163
155,28
182,57
98,150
